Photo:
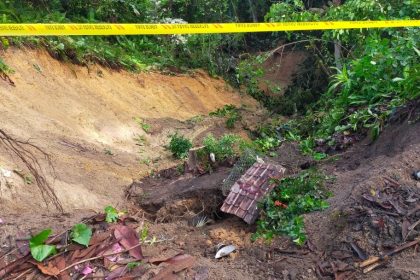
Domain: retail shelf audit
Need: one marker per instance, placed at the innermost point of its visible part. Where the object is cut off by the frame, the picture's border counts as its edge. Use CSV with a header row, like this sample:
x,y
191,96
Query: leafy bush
x,y
230,112
4,68
265,144
179,146
226,147
376,72
283,208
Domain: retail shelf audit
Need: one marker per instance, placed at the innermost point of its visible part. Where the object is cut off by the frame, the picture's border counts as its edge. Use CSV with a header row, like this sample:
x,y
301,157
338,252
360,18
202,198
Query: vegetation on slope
x,y
213,52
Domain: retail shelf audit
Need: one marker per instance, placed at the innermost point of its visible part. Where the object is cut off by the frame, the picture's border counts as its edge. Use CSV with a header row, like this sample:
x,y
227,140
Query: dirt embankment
x,y
89,119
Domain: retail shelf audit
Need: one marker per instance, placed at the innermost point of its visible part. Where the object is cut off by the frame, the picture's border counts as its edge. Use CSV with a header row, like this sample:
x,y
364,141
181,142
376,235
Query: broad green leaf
x,y
81,234
111,214
40,238
41,252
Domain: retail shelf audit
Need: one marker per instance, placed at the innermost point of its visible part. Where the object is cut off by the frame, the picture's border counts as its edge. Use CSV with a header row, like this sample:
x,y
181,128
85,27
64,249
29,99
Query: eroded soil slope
x,y
84,117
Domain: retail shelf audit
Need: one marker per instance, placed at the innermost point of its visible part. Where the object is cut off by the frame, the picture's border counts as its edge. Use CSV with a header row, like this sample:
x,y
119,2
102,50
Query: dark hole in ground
x,y
173,196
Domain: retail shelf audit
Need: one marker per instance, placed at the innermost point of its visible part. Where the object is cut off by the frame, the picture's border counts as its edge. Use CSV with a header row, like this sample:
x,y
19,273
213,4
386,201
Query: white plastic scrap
x,y
212,157
224,251
6,173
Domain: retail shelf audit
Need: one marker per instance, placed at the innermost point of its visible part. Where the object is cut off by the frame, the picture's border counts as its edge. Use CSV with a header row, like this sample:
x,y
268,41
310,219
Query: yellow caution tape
x,y
194,28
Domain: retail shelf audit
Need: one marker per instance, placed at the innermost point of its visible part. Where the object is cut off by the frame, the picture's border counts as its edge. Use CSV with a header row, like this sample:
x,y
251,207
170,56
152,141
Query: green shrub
x,y
230,112
377,71
179,146
226,147
264,144
283,208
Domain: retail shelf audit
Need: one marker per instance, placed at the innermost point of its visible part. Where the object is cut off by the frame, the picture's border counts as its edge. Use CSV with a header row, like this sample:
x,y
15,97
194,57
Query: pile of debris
x,y
113,252
384,222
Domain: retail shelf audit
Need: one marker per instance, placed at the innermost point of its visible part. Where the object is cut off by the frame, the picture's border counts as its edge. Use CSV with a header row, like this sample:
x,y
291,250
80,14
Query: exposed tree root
x,y
26,151
6,77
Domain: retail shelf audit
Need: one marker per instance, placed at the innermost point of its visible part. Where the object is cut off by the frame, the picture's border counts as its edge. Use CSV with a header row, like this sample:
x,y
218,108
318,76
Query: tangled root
x,y
27,152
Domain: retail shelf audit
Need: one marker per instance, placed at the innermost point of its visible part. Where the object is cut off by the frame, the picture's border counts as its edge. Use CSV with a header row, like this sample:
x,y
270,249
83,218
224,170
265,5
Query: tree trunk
x,y
253,12
337,54
193,163
235,10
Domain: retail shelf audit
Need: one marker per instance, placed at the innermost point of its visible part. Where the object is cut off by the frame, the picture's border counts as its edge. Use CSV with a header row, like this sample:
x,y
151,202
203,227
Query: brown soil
x,y
84,118
175,199
362,168
279,71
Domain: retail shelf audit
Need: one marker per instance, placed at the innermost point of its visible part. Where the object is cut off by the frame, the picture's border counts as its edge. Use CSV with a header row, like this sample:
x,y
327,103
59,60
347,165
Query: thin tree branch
x,y
98,257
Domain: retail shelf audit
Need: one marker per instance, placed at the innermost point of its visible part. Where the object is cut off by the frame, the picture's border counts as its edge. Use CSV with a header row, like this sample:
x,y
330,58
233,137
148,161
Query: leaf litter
x,y
100,249
386,220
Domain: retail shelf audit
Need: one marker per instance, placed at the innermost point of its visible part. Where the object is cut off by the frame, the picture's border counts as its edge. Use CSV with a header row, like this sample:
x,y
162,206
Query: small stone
x,y
209,242
416,175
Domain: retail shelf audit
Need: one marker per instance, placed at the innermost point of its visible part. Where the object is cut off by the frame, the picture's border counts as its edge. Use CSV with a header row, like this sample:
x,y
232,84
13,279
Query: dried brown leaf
x,y
177,264
50,269
99,238
60,263
164,256
129,238
116,273
17,264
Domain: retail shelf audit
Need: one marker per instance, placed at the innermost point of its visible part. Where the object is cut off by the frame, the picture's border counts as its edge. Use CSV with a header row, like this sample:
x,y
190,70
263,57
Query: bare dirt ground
x,y
168,203
89,120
